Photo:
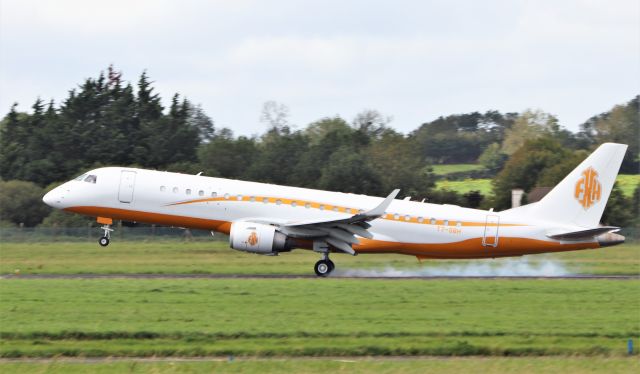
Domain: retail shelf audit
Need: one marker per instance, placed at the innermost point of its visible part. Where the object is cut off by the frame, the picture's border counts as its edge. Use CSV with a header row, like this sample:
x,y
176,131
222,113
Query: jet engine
x,y
258,238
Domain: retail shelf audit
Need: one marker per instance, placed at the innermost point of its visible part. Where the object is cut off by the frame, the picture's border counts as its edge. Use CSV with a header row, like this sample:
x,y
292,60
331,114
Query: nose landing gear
x,y
104,240
106,227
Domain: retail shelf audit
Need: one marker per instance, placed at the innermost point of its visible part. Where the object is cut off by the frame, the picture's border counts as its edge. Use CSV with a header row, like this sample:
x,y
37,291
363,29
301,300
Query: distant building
x,y
536,194
516,197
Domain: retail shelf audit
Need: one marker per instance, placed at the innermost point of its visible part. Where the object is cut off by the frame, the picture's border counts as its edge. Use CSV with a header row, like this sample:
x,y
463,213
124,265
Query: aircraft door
x,y
127,184
490,237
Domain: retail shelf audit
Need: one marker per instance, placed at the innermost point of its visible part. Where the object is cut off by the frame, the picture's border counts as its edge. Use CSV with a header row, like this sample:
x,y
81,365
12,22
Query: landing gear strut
x,y
325,266
104,240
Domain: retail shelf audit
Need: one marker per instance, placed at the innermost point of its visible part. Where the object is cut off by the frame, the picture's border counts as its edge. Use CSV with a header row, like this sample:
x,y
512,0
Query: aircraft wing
x,y
340,233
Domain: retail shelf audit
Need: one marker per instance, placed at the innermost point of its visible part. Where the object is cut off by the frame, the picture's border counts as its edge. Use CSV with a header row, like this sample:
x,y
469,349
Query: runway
x,y
291,276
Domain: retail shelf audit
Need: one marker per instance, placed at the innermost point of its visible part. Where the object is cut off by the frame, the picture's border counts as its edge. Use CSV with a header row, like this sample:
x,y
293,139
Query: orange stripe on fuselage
x,y
340,209
470,248
148,217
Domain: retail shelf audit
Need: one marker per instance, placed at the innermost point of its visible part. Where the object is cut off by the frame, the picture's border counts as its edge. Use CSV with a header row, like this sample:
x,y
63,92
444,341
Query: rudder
x,y
580,198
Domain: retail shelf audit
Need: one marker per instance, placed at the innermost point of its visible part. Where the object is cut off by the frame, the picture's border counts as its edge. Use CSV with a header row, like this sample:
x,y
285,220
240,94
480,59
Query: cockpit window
x,y
91,179
81,177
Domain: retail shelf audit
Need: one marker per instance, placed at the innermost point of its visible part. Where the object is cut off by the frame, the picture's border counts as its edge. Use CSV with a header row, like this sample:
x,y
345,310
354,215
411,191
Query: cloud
x,y
412,60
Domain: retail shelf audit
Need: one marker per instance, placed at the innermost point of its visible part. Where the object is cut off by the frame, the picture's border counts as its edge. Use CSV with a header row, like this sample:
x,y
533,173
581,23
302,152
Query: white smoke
x,y
521,267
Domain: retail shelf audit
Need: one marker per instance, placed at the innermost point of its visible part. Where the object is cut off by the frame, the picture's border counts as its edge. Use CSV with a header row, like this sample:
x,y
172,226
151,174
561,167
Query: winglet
x,y
379,210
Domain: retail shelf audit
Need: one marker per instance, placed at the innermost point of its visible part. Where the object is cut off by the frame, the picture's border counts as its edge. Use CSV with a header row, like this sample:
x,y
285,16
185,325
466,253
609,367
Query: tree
x,y
371,123
619,125
324,138
461,138
525,167
492,158
198,119
21,202
350,171
397,160
275,115
531,124
277,157
227,157
619,210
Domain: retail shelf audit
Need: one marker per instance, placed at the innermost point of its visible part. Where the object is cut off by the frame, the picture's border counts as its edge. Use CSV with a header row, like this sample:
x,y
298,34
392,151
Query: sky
x,y
411,60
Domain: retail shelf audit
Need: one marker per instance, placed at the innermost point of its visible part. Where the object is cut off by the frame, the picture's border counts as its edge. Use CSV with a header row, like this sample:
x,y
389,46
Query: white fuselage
x,y
409,227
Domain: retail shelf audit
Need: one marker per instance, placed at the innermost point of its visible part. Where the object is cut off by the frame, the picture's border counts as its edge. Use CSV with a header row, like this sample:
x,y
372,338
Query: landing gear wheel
x,y
331,265
323,268
103,241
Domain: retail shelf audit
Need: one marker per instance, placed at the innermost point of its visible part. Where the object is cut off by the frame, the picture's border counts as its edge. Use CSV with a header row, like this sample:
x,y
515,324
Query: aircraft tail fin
x,y
581,196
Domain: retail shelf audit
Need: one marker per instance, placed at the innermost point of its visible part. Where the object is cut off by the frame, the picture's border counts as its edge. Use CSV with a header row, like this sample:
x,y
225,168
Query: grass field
x,y
467,185
574,365
316,317
309,325
627,184
168,257
455,168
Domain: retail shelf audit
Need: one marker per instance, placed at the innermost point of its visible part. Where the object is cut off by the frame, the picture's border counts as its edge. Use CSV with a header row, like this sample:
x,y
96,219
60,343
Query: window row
x,y
187,191
308,205
432,221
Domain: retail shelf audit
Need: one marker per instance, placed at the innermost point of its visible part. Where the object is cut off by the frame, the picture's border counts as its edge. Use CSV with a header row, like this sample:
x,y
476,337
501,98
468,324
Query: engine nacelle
x,y
258,238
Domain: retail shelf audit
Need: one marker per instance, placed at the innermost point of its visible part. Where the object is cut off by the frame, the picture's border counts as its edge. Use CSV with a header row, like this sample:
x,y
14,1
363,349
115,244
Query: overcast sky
x,y
412,60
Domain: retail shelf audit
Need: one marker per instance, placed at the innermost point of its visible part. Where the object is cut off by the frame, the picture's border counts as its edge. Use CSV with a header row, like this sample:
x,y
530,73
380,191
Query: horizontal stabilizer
x,y
584,234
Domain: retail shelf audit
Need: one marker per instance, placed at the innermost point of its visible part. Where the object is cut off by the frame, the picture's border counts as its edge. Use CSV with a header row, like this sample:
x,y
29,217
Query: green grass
x,y
455,168
169,257
575,365
316,317
628,183
467,185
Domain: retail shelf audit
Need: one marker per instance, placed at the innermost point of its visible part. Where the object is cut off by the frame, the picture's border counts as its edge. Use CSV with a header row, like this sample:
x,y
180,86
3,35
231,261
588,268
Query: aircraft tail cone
x,y
609,239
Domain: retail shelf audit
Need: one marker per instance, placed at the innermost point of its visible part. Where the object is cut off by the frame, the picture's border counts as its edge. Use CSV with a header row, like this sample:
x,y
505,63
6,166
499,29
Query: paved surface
x,y
288,276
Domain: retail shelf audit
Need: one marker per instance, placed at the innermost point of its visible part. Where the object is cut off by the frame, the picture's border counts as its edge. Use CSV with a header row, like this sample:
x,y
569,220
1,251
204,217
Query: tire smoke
x,y
521,267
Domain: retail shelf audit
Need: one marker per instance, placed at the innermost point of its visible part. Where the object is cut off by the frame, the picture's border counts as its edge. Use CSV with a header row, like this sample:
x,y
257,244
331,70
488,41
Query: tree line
x,y
107,121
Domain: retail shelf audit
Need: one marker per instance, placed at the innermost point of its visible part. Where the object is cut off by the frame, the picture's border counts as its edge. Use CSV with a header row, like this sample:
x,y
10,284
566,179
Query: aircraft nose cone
x,y
50,199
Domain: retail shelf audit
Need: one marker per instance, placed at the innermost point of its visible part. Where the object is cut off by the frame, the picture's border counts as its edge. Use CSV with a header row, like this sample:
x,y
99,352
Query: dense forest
x,y
107,121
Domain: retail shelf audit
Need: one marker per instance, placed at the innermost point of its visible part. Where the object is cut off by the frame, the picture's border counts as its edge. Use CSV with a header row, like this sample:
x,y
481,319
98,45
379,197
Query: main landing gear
x,y
104,240
325,266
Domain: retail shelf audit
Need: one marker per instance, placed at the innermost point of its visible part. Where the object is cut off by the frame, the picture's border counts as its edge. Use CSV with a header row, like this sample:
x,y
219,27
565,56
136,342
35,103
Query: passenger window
x,y
459,224
278,202
446,222
200,193
433,221
214,194
396,216
307,205
239,197
163,188
294,204
420,219
252,199
407,218
188,191
91,179
175,189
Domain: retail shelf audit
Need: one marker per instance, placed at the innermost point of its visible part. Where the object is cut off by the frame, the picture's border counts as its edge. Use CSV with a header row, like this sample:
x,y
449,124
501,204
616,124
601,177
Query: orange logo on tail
x,y
588,188
253,239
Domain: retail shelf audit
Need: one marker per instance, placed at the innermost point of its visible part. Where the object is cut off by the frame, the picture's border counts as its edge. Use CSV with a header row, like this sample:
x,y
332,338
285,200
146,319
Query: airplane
x,y
270,219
